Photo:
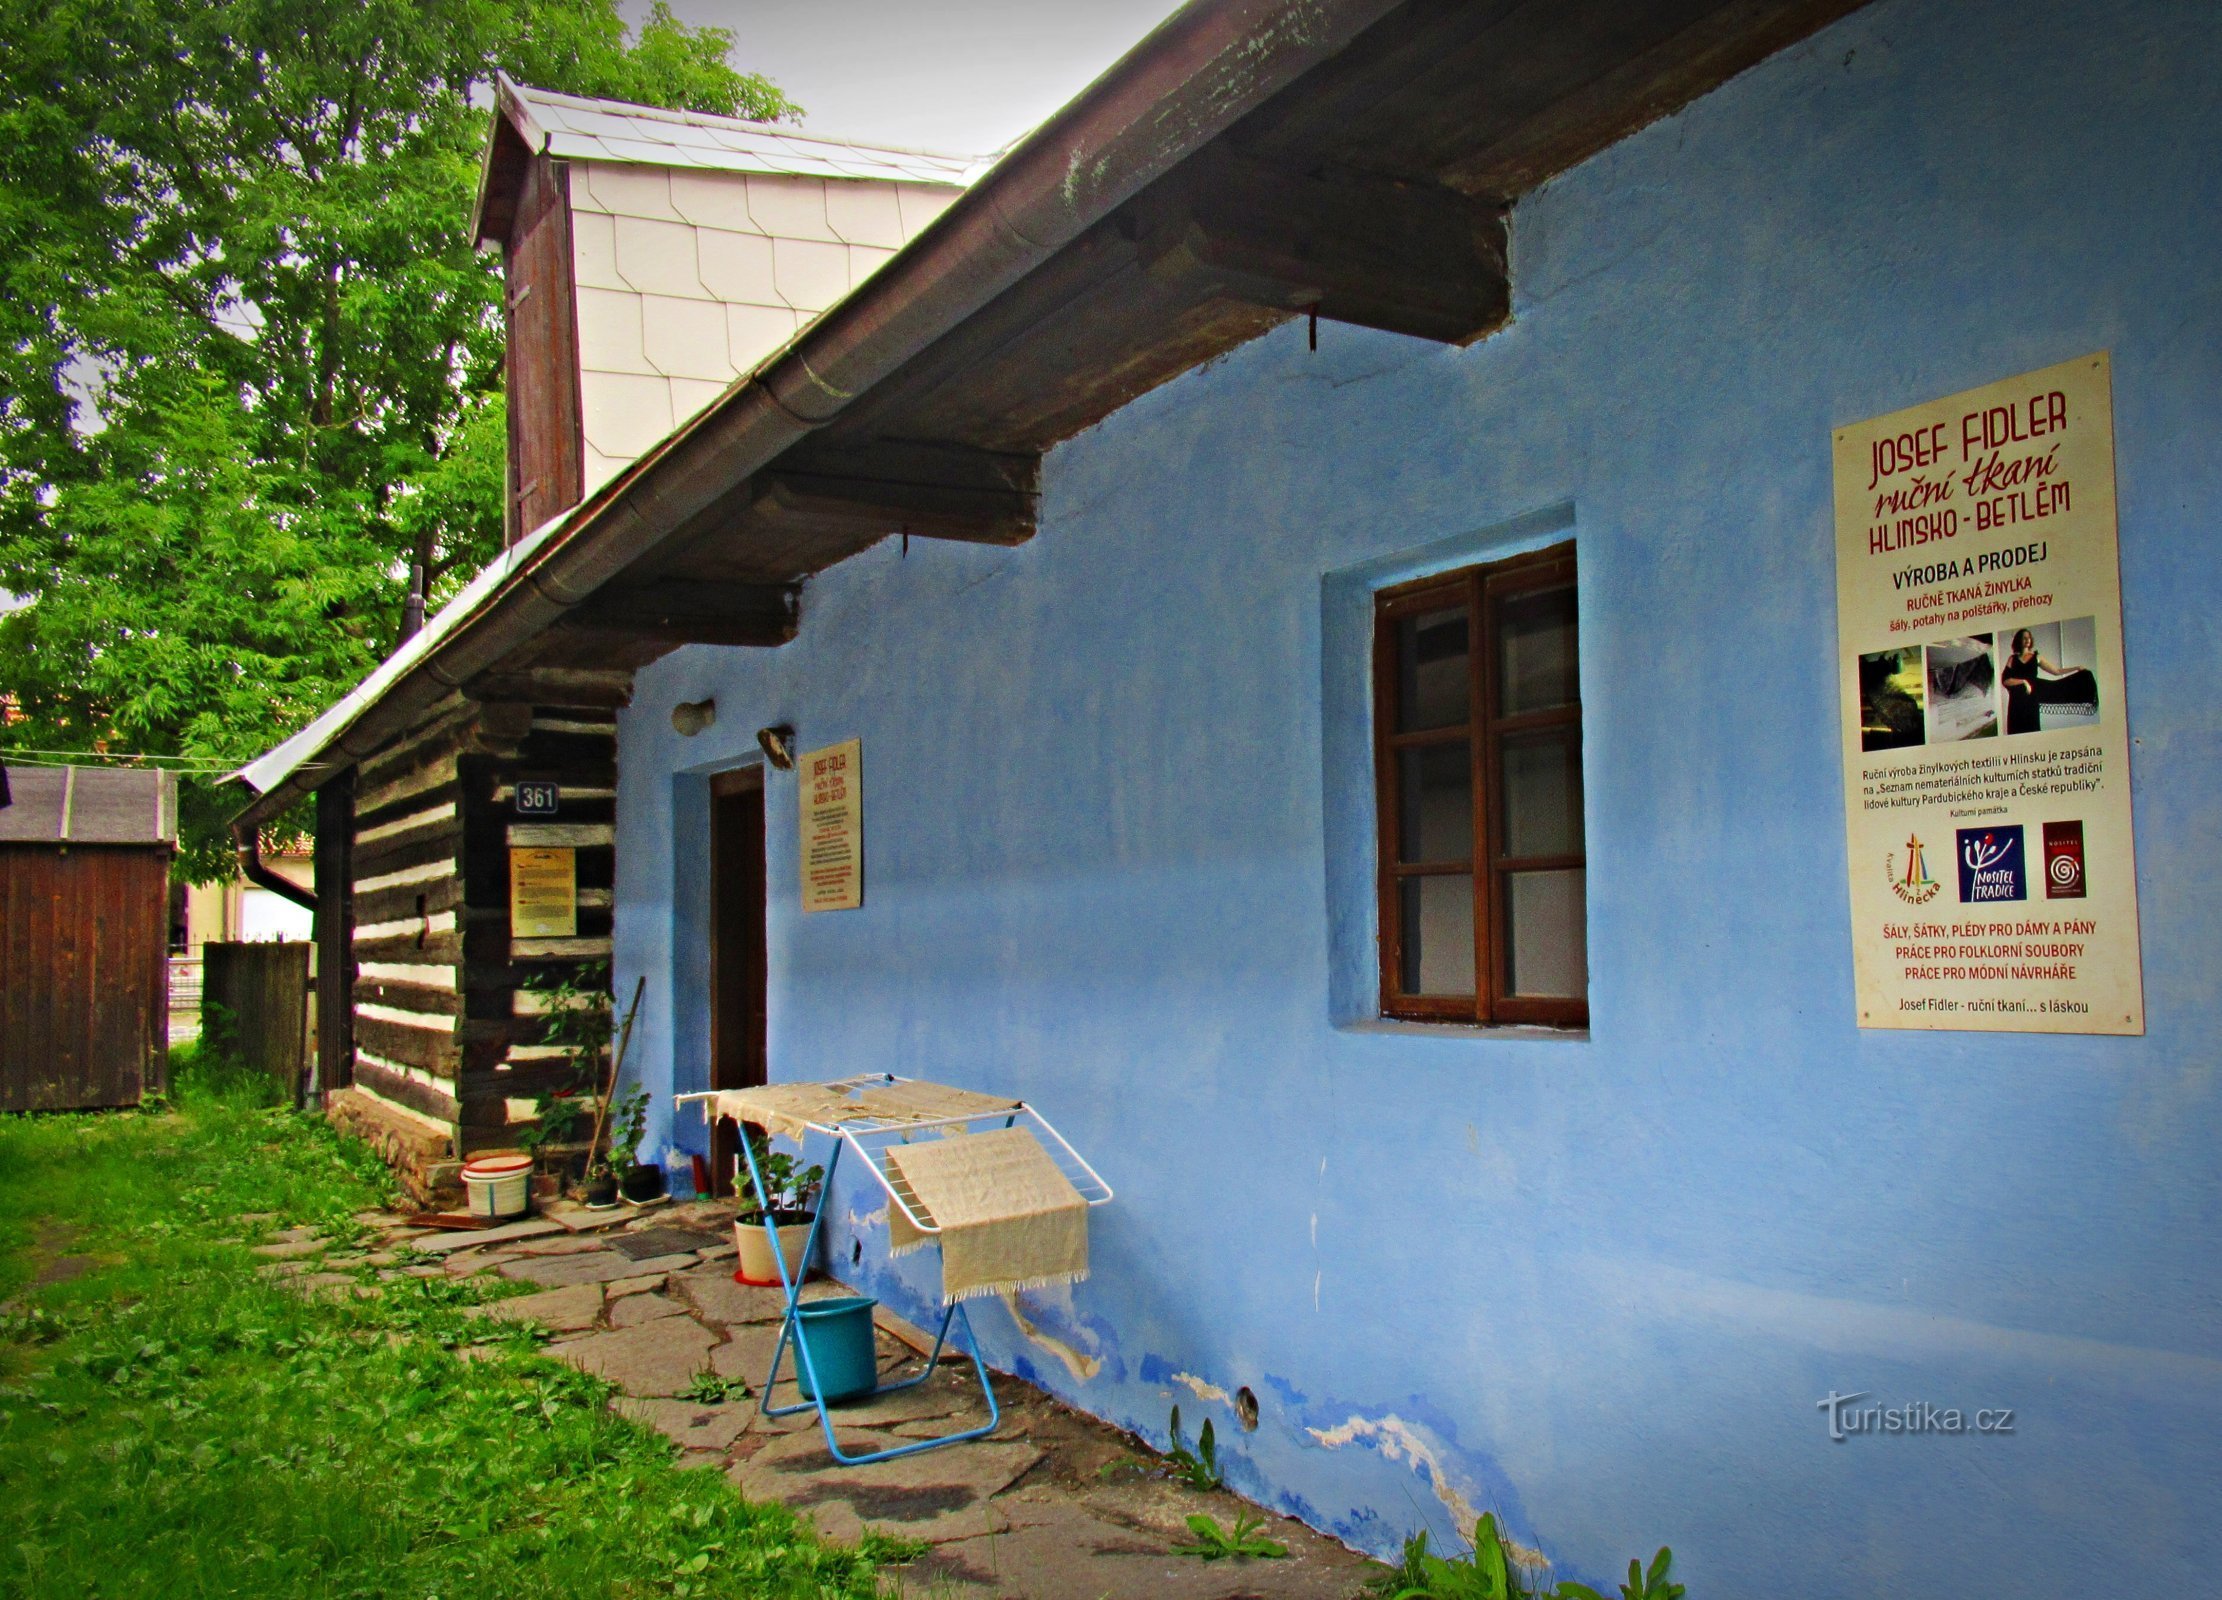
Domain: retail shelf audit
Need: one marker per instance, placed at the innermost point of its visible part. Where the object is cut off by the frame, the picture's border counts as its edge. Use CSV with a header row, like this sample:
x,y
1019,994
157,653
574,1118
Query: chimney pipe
x,y
412,609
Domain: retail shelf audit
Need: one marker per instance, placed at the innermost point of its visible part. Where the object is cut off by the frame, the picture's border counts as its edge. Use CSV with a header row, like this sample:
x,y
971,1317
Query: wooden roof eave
x,y
1247,162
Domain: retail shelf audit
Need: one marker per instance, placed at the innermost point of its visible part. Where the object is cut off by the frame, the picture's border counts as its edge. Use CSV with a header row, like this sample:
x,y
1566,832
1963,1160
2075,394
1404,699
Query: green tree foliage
x,y
250,365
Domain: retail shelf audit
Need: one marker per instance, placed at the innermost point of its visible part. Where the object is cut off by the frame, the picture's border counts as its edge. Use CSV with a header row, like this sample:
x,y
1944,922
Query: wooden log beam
x,y
896,485
1409,257
676,611
552,685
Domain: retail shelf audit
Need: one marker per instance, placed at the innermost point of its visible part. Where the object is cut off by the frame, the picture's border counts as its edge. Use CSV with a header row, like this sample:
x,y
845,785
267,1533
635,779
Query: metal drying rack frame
x,y
871,1137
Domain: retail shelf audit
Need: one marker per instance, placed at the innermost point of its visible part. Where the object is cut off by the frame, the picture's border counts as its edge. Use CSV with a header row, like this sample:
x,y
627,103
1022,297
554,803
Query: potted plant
x,y
793,1191
640,1180
599,1190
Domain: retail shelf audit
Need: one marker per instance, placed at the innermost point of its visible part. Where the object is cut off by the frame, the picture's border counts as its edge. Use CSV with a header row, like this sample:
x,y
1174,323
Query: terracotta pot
x,y
756,1265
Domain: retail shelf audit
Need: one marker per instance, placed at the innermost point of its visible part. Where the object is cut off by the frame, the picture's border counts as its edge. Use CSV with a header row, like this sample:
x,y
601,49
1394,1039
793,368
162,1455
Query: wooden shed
x,y
84,929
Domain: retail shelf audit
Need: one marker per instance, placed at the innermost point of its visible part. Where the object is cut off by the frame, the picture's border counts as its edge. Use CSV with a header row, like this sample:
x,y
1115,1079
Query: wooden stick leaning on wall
x,y
617,1064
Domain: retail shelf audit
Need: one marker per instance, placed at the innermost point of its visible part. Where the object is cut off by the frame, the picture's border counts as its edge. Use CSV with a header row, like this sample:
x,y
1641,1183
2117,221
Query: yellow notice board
x,y
1986,742
543,894
832,806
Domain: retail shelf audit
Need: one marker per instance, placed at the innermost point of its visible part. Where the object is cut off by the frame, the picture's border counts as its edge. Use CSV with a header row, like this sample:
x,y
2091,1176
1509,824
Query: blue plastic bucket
x,y
838,1335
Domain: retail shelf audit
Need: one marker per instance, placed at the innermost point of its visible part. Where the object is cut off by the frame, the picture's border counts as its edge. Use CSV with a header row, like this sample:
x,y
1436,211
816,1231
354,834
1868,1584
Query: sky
x,y
966,77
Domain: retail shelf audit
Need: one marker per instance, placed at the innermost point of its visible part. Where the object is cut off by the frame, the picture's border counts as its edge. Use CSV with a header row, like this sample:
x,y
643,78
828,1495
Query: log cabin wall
x,y
451,1051
506,1059
407,858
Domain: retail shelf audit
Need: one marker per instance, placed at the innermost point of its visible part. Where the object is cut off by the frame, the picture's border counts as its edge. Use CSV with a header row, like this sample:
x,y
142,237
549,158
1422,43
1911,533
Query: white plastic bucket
x,y
498,1186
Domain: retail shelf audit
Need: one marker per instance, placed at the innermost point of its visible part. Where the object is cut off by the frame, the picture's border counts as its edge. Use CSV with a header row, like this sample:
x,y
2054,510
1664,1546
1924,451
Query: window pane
x,y
1546,935
1438,919
1435,787
1432,673
1543,794
1535,651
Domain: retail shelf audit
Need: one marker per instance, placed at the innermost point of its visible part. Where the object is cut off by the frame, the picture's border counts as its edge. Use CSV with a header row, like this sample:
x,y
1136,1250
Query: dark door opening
x,y
737,973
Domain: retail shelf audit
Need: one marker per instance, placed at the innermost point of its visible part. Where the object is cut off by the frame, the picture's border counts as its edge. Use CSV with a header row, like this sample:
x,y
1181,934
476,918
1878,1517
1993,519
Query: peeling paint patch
x,y
1404,1441
1078,1362
1202,1390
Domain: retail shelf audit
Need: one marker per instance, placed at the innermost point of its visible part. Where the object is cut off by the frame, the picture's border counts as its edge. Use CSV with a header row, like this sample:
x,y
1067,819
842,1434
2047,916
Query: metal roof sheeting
x,y
575,128
89,805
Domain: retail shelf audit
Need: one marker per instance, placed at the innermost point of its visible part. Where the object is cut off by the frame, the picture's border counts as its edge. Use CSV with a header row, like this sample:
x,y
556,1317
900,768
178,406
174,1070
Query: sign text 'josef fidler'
x,y
1986,736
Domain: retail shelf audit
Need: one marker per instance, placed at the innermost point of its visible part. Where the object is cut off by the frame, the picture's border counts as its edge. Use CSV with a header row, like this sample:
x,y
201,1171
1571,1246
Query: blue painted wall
x,y
1115,810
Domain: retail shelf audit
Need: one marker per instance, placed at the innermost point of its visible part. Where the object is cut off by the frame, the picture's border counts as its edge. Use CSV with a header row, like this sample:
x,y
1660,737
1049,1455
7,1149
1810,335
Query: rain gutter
x,y
1197,74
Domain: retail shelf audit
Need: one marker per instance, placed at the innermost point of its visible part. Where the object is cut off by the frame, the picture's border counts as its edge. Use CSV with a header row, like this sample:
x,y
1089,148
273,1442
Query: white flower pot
x,y
757,1265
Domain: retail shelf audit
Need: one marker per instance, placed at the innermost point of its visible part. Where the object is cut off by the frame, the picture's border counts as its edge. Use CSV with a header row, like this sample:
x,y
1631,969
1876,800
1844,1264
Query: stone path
x,y
1052,1506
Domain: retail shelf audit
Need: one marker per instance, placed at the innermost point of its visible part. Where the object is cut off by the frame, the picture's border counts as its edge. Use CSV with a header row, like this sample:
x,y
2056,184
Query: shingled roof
x,y
89,805
574,127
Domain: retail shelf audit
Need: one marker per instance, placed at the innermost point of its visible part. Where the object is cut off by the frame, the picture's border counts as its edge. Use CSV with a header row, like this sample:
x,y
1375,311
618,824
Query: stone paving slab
x,y
569,1309
575,1218
284,1249
714,1293
638,1308
448,1240
936,1496
594,1266
656,1358
688,1425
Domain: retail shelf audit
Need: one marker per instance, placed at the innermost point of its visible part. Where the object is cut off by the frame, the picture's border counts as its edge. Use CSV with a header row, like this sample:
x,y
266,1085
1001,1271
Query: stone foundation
x,y
423,1162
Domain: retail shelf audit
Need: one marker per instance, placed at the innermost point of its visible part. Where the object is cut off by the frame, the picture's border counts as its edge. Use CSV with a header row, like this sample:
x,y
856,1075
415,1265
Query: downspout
x,y
247,846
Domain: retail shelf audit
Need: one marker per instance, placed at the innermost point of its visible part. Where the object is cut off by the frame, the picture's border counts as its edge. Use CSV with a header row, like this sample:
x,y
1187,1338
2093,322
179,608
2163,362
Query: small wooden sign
x,y
543,894
832,807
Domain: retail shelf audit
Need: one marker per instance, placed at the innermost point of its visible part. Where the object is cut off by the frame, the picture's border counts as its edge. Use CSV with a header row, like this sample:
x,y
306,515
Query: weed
x,y
1241,1542
709,1389
1491,1571
1198,1468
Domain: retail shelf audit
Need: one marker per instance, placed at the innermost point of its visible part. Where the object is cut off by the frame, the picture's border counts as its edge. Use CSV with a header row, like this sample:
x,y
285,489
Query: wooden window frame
x,y
1478,590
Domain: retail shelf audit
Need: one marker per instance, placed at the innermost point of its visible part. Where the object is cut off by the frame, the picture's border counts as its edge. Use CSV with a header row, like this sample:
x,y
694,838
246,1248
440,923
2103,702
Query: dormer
x,y
653,257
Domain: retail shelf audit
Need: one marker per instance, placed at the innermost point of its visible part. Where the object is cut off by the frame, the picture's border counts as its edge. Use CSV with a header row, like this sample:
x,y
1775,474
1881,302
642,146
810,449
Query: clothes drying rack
x,y
870,1134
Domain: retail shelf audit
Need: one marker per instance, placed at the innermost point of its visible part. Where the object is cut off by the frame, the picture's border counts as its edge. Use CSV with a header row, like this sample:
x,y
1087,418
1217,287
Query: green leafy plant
x,y
578,1017
707,1388
1198,1468
631,1127
1492,1570
556,1119
1641,1584
792,1187
1242,1542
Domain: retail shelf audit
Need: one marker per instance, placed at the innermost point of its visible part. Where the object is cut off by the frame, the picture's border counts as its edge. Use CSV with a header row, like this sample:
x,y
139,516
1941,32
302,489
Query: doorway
x,y
737,949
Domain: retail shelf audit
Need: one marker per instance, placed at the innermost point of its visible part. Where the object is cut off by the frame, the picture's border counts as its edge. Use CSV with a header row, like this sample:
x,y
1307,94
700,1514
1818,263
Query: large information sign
x,y
1986,750
832,804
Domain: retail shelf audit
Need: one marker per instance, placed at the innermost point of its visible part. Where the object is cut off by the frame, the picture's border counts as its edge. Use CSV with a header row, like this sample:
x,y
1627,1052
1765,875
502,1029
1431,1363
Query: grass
x,y
176,1422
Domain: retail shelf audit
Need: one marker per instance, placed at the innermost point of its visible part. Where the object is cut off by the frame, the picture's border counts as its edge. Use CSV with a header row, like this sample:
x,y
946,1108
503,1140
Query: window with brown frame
x,y
1478,770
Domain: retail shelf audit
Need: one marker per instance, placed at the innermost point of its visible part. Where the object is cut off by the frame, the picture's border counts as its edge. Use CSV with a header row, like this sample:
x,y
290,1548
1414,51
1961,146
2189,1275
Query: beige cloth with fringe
x,y
792,1108
1008,1218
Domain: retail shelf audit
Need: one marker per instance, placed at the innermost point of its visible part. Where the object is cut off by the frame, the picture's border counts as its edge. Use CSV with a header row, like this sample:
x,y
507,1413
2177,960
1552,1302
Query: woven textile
x,y
790,1108
1008,1218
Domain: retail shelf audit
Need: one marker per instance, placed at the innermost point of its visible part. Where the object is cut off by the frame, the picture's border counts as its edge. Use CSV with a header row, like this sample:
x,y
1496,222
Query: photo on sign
x,y
1890,700
1963,690
2049,671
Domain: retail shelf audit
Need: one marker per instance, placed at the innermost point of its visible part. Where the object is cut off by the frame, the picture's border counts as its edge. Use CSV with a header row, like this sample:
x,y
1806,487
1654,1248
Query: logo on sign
x,y
2063,861
538,797
1991,865
1913,884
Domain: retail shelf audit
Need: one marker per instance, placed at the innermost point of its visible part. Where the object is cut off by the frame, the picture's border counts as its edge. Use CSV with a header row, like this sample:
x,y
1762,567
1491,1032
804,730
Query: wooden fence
x,y
255,1006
